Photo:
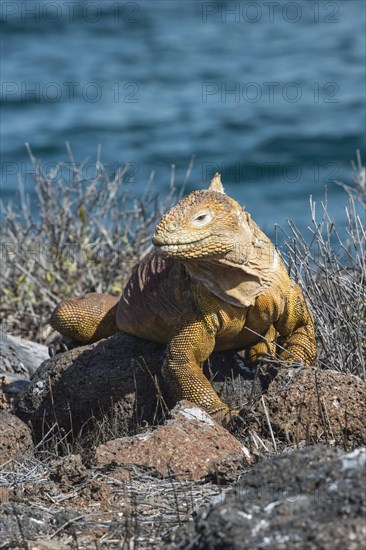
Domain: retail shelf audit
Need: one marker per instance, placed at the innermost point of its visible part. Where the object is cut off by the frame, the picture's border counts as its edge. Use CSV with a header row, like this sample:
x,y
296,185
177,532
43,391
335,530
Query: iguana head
x,y
205,224
217,241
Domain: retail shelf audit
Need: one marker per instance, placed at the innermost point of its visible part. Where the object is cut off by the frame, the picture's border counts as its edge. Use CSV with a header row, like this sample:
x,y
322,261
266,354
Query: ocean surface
x,y
272,94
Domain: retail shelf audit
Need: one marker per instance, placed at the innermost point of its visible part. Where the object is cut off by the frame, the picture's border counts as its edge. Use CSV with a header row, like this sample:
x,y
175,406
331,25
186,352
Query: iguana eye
x,y
202,218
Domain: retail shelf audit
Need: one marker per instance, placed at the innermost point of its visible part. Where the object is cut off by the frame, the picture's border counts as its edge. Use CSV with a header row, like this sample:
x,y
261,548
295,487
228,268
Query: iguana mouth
x,y
164,246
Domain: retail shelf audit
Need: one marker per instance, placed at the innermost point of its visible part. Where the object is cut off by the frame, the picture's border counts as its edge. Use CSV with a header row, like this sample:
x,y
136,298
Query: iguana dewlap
x,y
213,282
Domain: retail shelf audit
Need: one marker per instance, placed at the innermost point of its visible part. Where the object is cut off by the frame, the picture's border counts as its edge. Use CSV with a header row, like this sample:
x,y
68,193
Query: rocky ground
x,y
95,454
307,499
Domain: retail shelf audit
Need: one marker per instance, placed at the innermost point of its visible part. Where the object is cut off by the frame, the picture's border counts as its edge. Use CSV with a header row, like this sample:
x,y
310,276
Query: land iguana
x,y
214,281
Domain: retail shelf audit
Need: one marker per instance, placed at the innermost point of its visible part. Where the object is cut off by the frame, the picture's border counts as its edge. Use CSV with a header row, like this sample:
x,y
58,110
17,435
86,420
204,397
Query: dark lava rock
x,y
310,499
87,382
20,523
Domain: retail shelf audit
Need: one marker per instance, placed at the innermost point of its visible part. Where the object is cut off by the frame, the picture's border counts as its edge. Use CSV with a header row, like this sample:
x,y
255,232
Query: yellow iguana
x,y
213,282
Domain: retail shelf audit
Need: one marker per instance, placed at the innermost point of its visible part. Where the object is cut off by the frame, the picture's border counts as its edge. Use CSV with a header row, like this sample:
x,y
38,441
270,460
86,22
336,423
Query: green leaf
x,y
82,215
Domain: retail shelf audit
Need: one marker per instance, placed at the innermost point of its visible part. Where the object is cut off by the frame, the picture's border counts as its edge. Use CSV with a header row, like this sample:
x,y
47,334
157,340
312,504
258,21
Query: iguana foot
x,y
60,344
225,416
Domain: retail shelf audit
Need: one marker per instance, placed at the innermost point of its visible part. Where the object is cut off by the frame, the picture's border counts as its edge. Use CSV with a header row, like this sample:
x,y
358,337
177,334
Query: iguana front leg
x,y
296,329
191,343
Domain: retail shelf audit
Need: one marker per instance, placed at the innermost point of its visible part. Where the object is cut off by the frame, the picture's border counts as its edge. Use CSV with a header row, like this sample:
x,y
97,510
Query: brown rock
x,y
98,491
317,405
5,404
187,446
5,494
15,438
68,470
89,381
227,470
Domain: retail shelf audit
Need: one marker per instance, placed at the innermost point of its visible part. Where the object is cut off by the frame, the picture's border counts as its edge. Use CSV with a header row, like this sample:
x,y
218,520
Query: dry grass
x,y
14,473
330,267
116,508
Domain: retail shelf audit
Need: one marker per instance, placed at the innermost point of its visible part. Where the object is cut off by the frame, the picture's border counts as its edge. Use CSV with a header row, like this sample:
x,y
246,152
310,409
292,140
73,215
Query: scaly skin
x,y
213,282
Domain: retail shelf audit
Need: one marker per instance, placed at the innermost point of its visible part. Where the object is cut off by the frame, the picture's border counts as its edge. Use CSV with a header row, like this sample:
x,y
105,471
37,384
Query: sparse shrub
x,y
330,267
86,235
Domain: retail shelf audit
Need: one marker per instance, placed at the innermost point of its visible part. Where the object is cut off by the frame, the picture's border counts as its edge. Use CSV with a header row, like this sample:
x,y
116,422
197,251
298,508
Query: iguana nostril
x,y
172,226
157,241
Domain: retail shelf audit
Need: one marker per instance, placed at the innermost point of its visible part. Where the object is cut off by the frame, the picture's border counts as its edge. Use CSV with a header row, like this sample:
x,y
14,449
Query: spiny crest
x,y
216,184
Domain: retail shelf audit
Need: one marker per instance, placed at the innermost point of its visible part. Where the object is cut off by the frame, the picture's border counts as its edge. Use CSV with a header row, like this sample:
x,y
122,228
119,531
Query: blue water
x,y
271,94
